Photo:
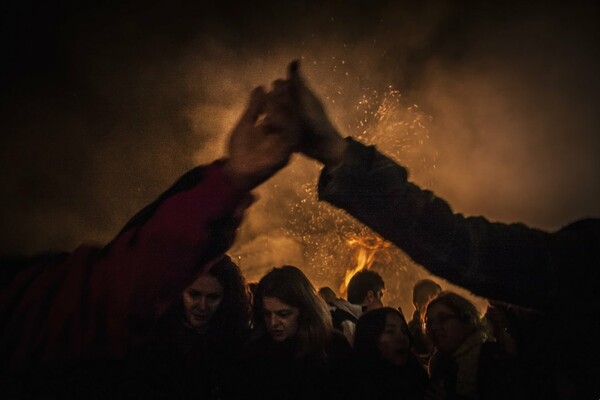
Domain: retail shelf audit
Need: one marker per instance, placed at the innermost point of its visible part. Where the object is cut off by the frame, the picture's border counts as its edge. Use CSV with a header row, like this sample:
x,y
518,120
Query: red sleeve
x,y
101,303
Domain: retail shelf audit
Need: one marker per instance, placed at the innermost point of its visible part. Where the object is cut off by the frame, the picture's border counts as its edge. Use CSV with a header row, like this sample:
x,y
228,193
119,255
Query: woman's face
x,y
445,328
201,300
393,343
281,320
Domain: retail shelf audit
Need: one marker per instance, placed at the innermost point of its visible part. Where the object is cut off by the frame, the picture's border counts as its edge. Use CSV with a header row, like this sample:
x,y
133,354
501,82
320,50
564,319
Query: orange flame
x,y
366,252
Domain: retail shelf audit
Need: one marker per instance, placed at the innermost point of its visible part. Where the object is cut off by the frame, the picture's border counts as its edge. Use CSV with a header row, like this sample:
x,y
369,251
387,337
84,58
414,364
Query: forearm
x,y
492,260
100,303
187,230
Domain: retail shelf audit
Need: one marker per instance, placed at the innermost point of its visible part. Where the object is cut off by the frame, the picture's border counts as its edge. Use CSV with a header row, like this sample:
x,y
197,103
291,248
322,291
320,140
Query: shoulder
x,y
339,347
340,316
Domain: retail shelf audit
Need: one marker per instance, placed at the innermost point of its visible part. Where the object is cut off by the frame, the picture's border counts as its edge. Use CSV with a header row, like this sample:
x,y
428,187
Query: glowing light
x,y
329,245
366,252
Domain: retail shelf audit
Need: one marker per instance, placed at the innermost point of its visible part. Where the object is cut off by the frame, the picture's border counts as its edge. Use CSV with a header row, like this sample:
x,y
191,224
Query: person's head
x,y
382,334
286,306
366,288
328,295
450,319
423,291
217,299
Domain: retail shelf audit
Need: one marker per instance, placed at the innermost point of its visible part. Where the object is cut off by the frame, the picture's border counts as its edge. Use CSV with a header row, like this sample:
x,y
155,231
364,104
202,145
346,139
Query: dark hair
x,y
369,328
361,283
292,287
465,310
232,318
425,285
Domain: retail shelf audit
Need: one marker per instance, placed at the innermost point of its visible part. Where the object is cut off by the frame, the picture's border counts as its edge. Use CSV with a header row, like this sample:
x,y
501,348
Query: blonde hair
x,y
464,309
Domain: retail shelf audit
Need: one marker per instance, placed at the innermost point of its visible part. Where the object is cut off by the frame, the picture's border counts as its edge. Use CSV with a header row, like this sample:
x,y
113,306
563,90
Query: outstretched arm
x,y
100,303
513,263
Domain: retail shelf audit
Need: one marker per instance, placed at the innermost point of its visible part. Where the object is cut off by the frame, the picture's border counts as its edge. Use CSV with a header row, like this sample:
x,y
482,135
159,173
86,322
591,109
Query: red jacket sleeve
x,y
100,303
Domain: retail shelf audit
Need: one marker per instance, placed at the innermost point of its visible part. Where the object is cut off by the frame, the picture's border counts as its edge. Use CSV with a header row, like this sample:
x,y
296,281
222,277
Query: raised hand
x,y
257,149
320,139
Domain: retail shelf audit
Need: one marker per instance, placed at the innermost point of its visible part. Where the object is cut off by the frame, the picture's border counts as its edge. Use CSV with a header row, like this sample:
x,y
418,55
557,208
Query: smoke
x,y
491,106
517,125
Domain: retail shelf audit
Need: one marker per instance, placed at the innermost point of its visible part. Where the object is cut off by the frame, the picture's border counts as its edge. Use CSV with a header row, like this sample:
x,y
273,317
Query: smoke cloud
x,y
491,106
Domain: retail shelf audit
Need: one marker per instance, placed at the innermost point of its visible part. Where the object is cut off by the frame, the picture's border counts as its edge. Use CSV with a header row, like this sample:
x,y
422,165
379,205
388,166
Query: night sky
x,y
103,106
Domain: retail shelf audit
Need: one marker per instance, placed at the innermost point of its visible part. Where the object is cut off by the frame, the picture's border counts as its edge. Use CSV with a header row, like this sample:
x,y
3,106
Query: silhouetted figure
x,y
509,263
295,353
423,291
503,325
366,289
385,367
527,335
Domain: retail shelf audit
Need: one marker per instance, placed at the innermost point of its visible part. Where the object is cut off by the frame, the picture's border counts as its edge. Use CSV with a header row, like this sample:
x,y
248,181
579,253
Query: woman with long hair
x,y
217,303
466,362
385,367
295,351
197,345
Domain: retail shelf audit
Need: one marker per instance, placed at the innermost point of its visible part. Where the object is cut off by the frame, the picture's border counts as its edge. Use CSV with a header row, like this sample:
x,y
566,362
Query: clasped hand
x,y
274,125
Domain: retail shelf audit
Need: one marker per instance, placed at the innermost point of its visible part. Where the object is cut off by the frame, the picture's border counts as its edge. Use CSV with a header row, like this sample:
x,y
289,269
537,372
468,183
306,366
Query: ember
x,y
290,226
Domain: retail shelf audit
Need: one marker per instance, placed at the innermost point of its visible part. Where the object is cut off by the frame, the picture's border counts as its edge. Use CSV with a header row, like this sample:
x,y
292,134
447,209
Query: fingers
x,y
256,105
296,82
279,86
280,108
281,93
294,70
280,146
294,77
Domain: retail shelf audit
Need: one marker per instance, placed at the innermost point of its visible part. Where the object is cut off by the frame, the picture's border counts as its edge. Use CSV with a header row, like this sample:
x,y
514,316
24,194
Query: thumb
x,y
297,86
294,70
294,74
256,105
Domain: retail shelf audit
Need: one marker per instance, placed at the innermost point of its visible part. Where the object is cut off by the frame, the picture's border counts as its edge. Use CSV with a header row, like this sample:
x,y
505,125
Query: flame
x,y
366,252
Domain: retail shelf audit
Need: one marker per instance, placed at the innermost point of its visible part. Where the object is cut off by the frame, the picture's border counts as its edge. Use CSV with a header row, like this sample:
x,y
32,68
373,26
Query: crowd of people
x,y
163,312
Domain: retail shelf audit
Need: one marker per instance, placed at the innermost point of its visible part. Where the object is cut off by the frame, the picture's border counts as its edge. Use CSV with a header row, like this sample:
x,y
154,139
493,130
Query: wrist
x,y
335,151
238,179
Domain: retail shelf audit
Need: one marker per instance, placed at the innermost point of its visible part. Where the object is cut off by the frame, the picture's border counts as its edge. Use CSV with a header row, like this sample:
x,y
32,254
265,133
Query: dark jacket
x,y
380,380
178,362
495,374
275,372
556,273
